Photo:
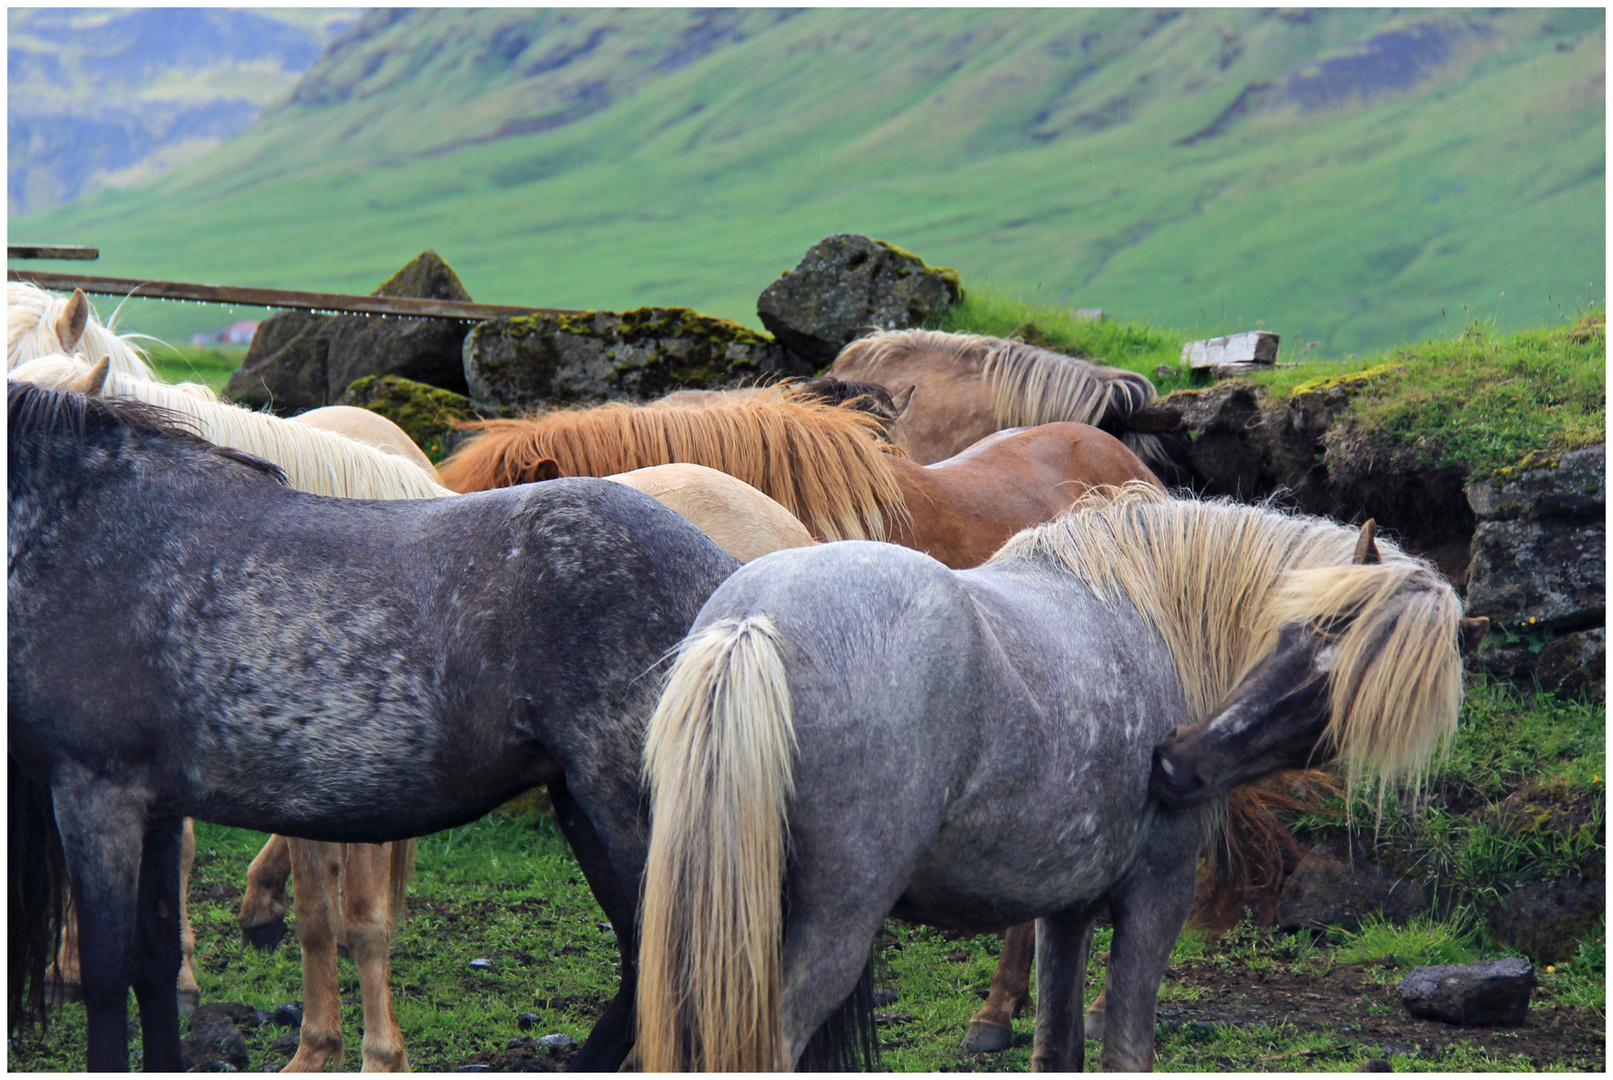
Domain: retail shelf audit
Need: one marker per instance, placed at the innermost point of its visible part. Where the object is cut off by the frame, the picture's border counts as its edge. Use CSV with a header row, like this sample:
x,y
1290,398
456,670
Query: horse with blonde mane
x,y
969,385
864,396
825,465
853,730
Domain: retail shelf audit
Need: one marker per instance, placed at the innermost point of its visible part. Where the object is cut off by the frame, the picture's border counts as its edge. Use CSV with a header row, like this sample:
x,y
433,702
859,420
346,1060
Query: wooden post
x,y
333,303
51,251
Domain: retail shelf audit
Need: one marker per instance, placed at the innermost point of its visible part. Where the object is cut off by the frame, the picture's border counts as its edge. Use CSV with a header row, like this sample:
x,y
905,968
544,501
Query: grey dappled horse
x,y
854,730
188,636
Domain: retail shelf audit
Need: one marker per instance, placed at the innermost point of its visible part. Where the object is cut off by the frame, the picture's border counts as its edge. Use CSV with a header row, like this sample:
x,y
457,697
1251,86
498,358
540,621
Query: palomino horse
x,y
39,323
523,632
853,730
969,385
825,465
741,520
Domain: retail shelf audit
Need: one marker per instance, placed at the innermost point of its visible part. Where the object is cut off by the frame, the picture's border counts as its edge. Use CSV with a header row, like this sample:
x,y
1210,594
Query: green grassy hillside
x,y
1341,176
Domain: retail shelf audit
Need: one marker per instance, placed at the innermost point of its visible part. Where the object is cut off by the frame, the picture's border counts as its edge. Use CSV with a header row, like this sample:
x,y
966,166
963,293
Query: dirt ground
x,y
1358,1007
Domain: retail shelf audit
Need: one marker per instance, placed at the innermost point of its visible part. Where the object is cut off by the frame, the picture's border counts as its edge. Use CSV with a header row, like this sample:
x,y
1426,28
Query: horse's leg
x,y
1061,975
316,881
367,908
992,1028
62,980
263,909
1149,908
157,945
1094,1025
616,889
102,827
189,993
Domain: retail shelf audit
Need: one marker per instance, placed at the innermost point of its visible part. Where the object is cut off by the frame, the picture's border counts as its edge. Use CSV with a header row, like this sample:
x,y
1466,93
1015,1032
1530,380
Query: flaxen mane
x,y
319,462
32,319
1217,580
826,465
1028,385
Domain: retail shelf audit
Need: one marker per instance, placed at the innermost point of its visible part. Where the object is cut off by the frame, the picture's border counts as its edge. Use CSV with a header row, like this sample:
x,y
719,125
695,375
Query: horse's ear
x,y
902,400
546,469
1366,549
1471,632
92,382
71,322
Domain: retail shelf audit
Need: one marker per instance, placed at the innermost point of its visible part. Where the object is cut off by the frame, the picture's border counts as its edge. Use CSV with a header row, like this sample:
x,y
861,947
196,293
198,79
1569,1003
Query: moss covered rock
x,y
422,411
846,285
299,360
528,361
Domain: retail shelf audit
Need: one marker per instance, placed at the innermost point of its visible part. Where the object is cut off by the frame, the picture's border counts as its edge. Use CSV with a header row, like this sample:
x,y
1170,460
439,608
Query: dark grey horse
x,y
188,636
855,730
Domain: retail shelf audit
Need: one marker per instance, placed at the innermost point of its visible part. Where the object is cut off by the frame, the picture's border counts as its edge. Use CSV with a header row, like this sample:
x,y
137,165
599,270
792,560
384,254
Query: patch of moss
x,y
1333,382
422,411
674,322
914,263
1534,459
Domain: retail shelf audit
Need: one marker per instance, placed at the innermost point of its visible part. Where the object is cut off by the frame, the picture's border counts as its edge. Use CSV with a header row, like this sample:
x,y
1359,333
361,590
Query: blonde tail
x,y
717,759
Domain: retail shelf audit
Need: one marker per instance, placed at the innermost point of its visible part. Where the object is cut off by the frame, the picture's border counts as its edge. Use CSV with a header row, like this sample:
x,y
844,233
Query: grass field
x,y
1123,159
506,889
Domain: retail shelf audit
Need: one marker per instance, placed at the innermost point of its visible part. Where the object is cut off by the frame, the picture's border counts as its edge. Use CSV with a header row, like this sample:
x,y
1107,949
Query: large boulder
x,y
846,285
299,360
422,411
1490,992
529,361
1538,569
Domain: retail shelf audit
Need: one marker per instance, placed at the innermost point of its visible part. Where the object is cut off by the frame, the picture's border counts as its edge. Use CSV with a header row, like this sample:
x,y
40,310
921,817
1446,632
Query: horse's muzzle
x,y
1175,784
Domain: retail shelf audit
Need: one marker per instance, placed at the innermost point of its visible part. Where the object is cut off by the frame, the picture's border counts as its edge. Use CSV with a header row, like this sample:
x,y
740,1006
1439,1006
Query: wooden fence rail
x,y
334,303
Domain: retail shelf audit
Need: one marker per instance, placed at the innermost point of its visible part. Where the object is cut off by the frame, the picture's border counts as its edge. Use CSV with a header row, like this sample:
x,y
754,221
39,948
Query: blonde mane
x,y
31,315
1027,385
315,461
827,465
1217,580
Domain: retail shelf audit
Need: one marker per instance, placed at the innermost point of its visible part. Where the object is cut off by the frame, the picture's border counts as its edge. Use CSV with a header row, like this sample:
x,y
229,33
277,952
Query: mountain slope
x,y
110,98
1341,175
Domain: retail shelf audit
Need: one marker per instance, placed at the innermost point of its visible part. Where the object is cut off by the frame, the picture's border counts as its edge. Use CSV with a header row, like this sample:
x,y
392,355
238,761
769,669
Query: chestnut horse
x,y
824,464
969,385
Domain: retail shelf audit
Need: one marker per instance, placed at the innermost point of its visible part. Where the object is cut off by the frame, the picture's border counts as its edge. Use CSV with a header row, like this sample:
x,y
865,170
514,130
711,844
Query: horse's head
x,y
1279,716
867,397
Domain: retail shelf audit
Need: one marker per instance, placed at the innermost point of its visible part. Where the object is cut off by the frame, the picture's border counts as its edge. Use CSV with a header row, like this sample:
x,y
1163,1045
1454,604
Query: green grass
x,y
208,364
1477,398
1068,175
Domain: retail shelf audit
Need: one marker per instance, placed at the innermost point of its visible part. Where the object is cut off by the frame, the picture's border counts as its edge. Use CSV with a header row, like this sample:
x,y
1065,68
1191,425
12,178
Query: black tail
x,y
37,892
848,1040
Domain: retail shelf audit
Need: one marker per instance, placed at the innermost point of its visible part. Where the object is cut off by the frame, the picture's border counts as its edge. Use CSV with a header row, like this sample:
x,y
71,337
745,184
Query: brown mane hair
x,y
826,465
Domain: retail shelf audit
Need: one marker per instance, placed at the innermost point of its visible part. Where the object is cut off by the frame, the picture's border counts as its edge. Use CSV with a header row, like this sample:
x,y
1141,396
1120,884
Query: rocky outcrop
x,y
846,285
1538,569
529,361
1490,992
1247,446
423,412
299,360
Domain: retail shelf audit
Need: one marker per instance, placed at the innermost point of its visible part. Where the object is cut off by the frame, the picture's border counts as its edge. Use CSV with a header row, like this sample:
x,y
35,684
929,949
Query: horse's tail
x,y
36,890
402,867
717,759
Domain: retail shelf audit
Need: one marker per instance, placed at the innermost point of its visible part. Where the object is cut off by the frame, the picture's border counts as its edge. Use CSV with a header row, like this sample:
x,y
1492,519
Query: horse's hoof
x,y
1094,1025
984,1037
188,1000
264,938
